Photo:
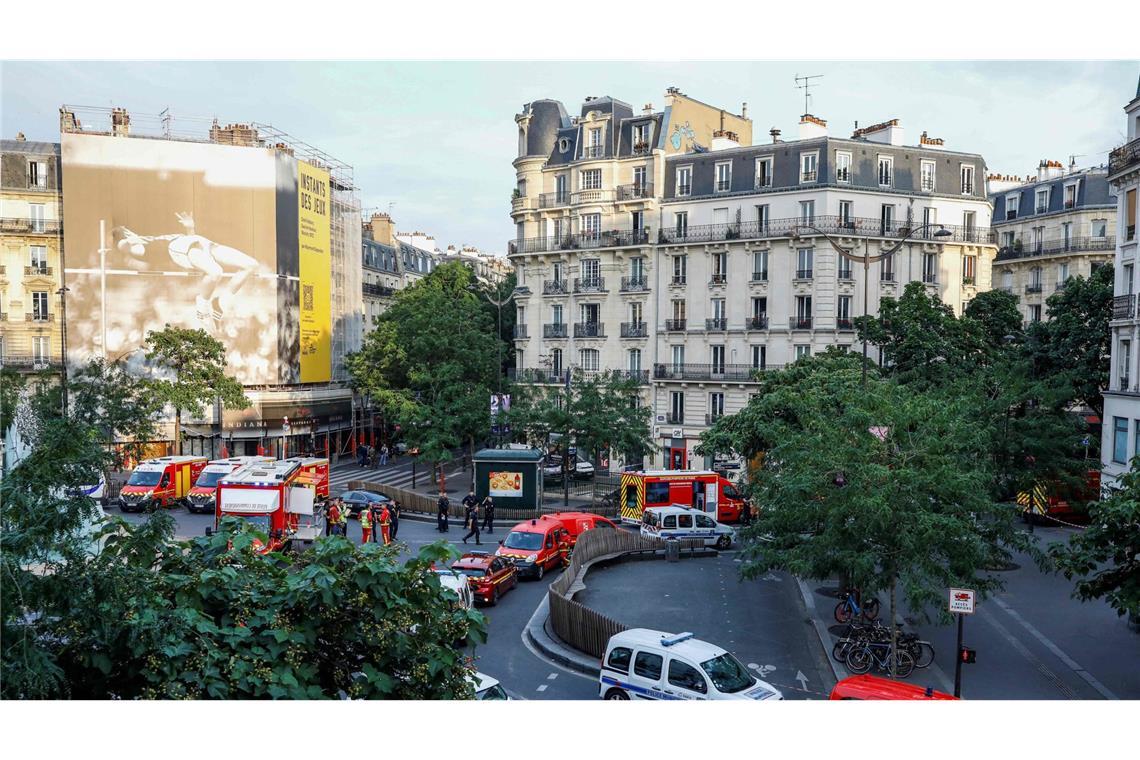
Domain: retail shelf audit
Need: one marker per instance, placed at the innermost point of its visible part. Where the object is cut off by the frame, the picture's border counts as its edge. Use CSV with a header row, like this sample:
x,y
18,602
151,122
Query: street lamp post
x,y
62,292
867,259
498,304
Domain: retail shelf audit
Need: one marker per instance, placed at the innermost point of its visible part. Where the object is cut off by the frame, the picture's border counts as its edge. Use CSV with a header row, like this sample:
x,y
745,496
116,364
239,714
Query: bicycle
x,y
850,608
879,655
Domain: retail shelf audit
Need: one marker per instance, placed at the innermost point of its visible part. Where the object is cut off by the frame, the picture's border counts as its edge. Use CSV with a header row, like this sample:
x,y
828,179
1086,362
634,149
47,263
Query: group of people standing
x,y
370,456
378,523
476,514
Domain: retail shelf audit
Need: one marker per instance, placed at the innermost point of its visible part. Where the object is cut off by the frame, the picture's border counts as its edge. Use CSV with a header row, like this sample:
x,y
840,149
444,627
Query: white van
x,y
679,522
644,664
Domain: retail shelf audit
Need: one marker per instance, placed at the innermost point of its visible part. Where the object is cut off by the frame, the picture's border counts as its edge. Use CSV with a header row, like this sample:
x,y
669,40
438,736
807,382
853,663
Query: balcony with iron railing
x,y
1042,209
799,322
803,274
580,241
678,280
37,271
1022,249
555,330
846,275
967,188
760,276
634,284
1033,287
1124,307
589,284
718,279
716,324
808,176
28,226
34,363
729,372
554,287
930,278
1127,156
641,147
926,185
634,330
557,198
844,323
589,330
684,191
757,322
536,375
722,185
675,325
712,417
841,226
634,191
887,277
38,316
521,332
371,289
593,151
675,418
842,175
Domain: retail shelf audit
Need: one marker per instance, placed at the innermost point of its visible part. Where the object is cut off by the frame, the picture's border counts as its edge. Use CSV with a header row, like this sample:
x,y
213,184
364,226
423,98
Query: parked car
x,y
489,576
356,501
645,664
458,584
552,468
536,546
401,447
685,523
873,687
487,687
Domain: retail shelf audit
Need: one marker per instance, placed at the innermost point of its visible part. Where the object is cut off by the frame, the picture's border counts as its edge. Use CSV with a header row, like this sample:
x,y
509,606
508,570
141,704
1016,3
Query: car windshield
x,y
471,572
144,478
727,674
495,692
209,479
520,540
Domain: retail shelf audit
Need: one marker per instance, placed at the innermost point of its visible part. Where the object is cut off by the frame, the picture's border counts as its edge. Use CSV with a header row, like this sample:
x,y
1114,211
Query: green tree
x,y
998,319
430,364
11,383
885,485
192,369
1106,555
499,293
1074,342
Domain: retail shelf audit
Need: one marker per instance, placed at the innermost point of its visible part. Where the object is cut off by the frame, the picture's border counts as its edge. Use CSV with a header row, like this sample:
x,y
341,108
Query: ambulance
x,y
280,499
203,495
160,482
703,490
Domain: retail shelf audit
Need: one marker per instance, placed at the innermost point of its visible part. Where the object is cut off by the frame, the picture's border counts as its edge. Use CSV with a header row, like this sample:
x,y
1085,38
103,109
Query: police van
x,y
682,522
645,664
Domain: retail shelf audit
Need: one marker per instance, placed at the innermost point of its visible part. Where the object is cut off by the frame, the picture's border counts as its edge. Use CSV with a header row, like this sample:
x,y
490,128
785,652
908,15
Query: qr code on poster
x,y
307,297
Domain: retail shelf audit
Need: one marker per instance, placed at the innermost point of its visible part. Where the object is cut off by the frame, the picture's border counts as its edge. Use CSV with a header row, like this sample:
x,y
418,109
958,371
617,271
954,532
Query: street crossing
x,y
397,474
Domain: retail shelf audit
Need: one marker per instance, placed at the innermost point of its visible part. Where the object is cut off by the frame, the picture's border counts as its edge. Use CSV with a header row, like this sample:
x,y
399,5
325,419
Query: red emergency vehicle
x,y
279,498
703,490
202,496
160,482
873,687
536,546
577,523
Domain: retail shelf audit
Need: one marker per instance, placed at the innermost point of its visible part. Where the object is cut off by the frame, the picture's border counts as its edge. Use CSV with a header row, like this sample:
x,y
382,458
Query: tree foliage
x,y
11,383
191,368
1106,555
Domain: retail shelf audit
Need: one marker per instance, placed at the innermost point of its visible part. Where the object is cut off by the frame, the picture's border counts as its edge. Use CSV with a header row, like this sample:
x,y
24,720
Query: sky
x,y
434,141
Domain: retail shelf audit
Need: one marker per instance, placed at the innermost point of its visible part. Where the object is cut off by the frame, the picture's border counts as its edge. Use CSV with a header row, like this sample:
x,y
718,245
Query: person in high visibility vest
x,y
385,524
366,526
342,521
332,518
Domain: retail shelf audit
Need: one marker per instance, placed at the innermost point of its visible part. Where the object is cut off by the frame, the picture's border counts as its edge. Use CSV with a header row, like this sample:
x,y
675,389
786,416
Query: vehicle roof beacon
x,y
671,640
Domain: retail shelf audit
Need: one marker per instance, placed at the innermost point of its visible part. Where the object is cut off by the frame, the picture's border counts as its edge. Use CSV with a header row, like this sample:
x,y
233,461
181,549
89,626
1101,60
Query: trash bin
x,y
672,550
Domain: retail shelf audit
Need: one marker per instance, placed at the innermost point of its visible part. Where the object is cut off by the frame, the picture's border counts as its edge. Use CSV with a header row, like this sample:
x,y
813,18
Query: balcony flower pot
x,y
967,280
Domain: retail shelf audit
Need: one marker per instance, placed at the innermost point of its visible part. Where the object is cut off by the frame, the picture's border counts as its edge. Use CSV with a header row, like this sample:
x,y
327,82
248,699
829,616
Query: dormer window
x,y
563,145
641,138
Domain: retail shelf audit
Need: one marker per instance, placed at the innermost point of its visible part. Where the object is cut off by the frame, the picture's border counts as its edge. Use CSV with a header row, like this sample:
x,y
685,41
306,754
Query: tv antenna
x,y
807,84
165,114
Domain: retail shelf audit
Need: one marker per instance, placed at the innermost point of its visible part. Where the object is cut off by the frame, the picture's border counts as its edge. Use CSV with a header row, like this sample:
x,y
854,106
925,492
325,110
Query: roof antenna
x,y
805,87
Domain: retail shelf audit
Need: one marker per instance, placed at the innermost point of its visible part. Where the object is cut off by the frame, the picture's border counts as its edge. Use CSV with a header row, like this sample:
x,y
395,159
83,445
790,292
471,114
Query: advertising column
x,y
314,242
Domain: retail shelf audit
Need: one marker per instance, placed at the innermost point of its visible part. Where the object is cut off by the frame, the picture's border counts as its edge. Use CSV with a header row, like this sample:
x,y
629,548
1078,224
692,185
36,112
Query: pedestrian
x,y
365,525
474,525
385,524
332,518
374,509
488,514
469,503
342,521
442,508
394,513
361,452
746,513
384,455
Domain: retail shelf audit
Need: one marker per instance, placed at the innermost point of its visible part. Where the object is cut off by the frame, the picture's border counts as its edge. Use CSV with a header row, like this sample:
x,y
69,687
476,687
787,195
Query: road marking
x,y
542,688
1069,661
802,679
552,676
1041,667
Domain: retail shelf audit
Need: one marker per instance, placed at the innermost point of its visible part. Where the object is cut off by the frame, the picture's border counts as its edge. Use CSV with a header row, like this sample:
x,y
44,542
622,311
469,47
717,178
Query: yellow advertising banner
x,y
314,235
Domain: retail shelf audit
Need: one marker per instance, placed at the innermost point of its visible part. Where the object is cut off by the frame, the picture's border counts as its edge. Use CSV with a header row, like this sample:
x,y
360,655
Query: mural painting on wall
x,y
681,132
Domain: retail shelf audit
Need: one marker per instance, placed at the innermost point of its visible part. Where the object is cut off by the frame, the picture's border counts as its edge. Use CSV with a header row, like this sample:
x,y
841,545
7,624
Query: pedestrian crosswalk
x,y
398,475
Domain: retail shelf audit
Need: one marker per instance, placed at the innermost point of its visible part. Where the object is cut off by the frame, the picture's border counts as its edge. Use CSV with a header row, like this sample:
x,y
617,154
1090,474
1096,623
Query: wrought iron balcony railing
x,y
557,198
760,276
589,284
758,322
554,287
1124,157
808,176
846,274
1022,249
634,284
38,316
716,324
842,226
799,322
684,190
678,279
372,289
1034,287
555,330
844,323
1124,307
635,191
589,330
583,240
731,372
803,274
675,325
723,185
886,277
520,332
718,279
634,330
29,226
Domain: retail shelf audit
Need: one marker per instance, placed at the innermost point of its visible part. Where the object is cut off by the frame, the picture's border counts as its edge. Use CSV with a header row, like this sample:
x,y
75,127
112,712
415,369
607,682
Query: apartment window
x,y
1007,280
559,272
1062,274
1070,196
804,263
591,269
720,216
763,217
1042,200
39,258
1125,361
637,268
679,310
640,138
803,311
843,314
1130,215
637,220
807,212
716,359
759,307
590,179
887,269
684,180
846,216
724,176
1012,202
1126,279
560,188
1099,228
678,355
969,270
929,268
1120,440
842,167
716,405
764,172
802,352
556,314
1035,312
590,312
588,359
680,267
681,223
887,219
39,305
40,348
718,309
556,362
635,360
809,166
886,171
760,266
639,178
591,225
677,407
36,216
759,357
595,136
720,265
636,312
926,176
969,220
1038,239
37,174
967,172
929,221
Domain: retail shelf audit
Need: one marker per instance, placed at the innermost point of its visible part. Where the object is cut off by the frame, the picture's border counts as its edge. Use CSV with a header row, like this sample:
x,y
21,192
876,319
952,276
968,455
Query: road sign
x,y
962,600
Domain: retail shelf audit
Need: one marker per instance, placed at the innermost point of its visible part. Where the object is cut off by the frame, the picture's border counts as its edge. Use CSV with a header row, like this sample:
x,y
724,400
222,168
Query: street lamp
x,y
62,293
867,259
498,304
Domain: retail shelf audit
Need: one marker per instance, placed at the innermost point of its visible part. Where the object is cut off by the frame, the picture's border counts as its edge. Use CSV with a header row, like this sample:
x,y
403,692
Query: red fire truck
x,y
279,498
700,489
160,482
202,496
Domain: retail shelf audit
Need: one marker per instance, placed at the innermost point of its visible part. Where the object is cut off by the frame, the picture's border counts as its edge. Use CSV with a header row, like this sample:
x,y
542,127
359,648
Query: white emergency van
x,y
645,664
683,522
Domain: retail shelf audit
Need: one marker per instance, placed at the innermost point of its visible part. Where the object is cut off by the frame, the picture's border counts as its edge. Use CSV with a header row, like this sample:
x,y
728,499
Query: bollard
x,y
672,550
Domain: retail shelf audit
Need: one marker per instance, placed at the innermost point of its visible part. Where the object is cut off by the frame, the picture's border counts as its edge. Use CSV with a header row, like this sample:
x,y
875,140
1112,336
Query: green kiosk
x,y
511,477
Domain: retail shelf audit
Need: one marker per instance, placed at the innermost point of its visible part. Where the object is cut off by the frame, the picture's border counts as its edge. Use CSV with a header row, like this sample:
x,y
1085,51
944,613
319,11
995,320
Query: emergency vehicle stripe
x,y
1036,496
635,482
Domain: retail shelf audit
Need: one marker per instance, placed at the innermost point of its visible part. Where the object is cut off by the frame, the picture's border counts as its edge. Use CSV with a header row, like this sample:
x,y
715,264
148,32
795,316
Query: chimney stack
x,y
382,229
744,110
20,137
812,126
775,134
120,122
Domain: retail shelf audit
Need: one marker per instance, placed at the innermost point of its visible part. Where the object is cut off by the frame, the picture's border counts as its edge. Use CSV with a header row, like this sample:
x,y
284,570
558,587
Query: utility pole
x,y
566,446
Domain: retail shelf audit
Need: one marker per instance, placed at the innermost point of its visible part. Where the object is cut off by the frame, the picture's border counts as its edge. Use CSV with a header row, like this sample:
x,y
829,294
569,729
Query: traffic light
x,y
967,655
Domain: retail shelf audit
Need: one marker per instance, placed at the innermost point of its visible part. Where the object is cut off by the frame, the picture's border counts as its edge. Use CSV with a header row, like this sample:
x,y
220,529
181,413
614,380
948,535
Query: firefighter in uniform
x,y
385,524
332,518
365,525
342,521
